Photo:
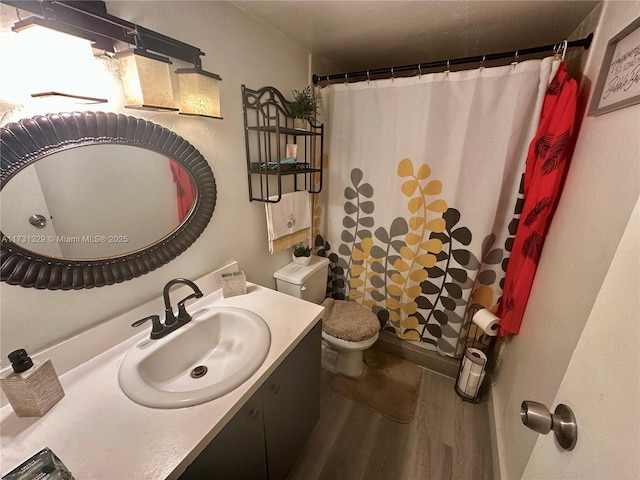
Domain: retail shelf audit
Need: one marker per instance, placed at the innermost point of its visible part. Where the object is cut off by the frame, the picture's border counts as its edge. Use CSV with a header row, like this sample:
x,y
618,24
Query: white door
x,y
602,383
22,197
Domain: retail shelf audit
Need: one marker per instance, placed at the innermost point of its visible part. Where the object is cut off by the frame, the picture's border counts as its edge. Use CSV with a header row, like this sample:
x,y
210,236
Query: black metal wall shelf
x,y
284,131
269,128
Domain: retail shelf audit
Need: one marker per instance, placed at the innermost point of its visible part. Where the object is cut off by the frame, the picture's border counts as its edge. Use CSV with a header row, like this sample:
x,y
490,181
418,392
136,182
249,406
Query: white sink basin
x,y
230,342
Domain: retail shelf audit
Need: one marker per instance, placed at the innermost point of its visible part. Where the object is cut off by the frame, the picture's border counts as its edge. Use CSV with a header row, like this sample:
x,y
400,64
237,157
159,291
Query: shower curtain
x,y
422,176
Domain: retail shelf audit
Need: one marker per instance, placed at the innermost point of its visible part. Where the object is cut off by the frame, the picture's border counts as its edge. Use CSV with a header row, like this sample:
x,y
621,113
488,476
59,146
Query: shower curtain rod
x,y
583,42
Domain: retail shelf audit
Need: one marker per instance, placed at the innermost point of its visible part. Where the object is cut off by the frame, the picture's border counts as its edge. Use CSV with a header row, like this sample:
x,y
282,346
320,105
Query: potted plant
x,y
301,254
303,107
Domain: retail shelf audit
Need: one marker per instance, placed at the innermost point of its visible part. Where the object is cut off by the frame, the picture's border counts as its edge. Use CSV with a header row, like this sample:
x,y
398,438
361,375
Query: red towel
x,y
546,165
184,188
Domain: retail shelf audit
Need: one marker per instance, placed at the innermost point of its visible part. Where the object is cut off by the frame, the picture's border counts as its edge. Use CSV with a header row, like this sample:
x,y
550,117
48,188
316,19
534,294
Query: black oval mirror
x,y
115,232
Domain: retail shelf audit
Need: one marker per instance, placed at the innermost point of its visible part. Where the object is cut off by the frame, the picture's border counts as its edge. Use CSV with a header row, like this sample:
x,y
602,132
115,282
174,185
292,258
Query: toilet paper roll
x,y
471,383
477,355
487,321
472,371
469,366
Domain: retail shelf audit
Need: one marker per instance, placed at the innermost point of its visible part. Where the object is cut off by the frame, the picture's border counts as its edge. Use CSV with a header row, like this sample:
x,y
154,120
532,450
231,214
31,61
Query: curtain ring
x,y
482,62
515,61
448,68
393,76
346,80
368,77
564,49
419,70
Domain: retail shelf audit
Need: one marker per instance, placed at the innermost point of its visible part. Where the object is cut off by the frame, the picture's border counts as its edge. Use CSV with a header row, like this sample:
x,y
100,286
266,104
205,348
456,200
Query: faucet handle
x,y
183,316
156,330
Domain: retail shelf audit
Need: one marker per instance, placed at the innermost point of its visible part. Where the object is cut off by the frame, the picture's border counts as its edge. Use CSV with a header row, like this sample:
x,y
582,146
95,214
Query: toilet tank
x,y
308,283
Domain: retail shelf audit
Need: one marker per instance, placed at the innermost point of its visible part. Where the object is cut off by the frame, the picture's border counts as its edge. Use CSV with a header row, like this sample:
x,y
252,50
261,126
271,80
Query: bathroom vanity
x,y
263,440
255,431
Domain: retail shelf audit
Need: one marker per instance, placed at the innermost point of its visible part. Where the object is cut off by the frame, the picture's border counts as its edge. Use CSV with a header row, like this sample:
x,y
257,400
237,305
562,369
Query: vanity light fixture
x,y
97,41
199,92
146,80
79,98
42,31
30,22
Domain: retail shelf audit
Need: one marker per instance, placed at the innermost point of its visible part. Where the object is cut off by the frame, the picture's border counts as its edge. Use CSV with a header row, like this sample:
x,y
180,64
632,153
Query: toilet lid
x,y
348,320
296,274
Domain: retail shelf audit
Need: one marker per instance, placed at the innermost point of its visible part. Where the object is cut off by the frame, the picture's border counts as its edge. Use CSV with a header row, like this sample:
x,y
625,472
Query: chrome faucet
x,y
171,322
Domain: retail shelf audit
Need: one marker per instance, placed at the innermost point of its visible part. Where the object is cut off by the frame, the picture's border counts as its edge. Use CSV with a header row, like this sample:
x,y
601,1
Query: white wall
x,y
239,49
601,190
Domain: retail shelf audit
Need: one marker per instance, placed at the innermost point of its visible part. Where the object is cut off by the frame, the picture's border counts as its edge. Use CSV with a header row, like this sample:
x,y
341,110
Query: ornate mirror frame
x,y
31,139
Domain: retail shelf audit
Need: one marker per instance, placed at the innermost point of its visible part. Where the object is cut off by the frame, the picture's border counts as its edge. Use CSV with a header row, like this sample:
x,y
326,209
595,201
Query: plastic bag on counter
x,y
44,465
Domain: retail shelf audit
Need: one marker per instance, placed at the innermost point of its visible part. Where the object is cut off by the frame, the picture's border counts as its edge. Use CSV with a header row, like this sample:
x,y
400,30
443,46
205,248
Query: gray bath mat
x,y
388,386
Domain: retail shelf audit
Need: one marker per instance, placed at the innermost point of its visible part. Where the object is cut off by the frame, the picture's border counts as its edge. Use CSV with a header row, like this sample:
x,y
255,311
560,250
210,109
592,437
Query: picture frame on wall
x,y
618,84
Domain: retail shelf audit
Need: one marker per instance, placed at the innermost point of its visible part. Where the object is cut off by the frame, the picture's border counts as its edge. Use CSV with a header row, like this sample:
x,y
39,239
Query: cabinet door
x,y
291,401
237,452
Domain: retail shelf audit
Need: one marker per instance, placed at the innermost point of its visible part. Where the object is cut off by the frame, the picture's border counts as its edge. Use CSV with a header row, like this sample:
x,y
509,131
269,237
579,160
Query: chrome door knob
x,y
537,417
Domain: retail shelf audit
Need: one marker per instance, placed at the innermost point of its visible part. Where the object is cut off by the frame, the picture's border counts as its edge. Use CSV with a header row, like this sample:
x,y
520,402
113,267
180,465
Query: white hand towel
x,y
291,214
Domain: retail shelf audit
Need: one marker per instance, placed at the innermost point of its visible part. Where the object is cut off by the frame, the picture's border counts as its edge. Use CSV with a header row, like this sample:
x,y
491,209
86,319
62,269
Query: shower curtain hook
x,y
482,62
564,49
419,71
448,68
515,61
346,80
368,77
393,76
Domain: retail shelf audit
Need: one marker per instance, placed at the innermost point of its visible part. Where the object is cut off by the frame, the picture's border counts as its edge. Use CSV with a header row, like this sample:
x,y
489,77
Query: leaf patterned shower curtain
x,y
422,176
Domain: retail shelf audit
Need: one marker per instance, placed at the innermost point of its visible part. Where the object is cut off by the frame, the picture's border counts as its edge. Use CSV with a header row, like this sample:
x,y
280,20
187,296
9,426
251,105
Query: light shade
x,y
146,80
97,41
199,92
44,72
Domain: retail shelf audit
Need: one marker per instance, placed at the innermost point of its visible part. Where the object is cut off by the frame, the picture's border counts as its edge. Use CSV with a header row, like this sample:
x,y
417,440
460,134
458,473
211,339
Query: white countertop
x,y
99,433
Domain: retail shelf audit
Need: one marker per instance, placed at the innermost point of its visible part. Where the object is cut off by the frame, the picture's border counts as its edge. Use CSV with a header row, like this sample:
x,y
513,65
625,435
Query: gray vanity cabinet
x,y
263,440
237,452
291,403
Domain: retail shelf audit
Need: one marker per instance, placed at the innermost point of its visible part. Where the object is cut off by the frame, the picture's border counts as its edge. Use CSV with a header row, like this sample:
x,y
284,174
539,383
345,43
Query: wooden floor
x,y
447,439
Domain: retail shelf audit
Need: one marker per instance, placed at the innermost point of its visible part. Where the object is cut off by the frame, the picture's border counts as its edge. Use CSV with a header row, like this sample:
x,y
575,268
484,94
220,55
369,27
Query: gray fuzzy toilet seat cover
x,y
348,320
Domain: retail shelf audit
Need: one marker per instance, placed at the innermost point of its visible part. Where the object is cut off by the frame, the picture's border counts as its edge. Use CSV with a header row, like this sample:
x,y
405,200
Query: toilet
x,y
347,328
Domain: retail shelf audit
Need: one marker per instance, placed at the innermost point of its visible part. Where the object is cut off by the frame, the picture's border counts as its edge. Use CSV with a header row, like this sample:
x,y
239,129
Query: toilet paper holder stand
x,y
471,373
475,360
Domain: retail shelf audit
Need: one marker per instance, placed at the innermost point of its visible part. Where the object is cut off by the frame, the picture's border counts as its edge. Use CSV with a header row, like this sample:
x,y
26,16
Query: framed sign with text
x,y
618,83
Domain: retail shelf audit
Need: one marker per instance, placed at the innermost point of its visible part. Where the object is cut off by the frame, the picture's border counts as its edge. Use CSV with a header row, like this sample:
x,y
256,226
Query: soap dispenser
x,y
32,389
